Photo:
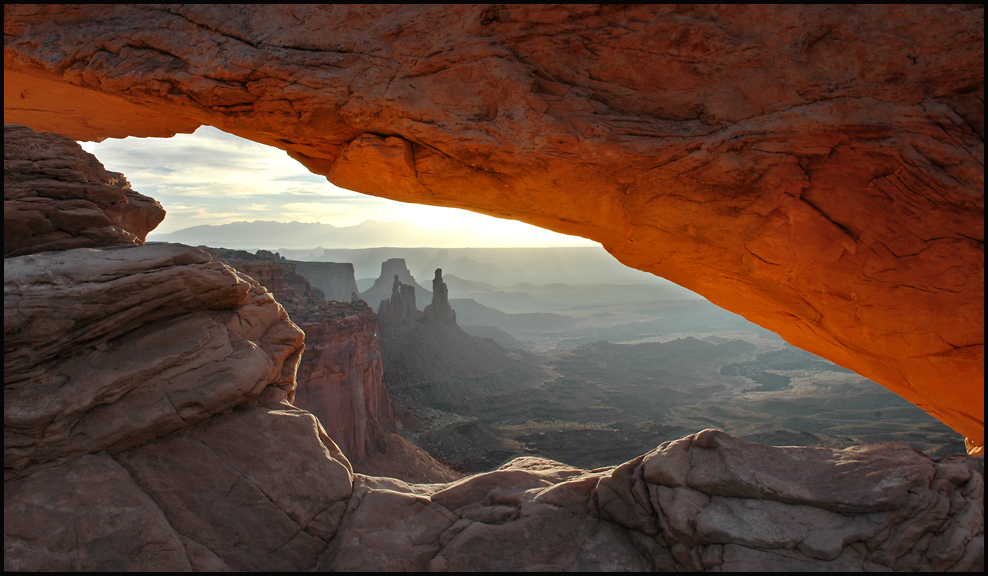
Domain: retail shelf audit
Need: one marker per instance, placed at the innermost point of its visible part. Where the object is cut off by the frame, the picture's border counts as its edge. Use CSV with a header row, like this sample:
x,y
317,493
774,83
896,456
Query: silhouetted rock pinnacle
x,y
440,310
382,286
400,308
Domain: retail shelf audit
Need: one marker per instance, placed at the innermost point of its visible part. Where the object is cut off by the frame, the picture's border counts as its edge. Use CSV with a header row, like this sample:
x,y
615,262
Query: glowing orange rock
x,y
818,170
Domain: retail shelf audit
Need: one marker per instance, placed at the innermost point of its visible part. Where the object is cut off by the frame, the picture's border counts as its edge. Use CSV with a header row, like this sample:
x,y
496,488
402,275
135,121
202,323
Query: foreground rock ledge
x,y
818,170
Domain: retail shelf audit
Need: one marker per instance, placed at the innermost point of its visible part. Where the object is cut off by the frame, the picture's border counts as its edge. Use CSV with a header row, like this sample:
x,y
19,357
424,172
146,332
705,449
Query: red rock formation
x,y
272,271
706,502
400,309
146,423
341,378
57,196
341,375
818,170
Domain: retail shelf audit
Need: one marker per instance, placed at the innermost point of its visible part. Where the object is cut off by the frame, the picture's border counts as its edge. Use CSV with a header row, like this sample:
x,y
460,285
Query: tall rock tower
x,y
440,310
400,308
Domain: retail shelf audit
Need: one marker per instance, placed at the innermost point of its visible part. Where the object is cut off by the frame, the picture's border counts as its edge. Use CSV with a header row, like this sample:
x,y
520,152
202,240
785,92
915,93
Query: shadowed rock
x,y
384,285
400,309
440,310
147,423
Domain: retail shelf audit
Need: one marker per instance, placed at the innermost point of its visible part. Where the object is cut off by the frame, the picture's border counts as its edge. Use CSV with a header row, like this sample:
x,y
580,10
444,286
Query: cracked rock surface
x,y
818,170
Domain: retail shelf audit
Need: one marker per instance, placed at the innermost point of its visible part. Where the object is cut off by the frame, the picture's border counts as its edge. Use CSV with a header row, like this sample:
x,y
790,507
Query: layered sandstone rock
x,y
275,273
57,196
335,279
341,378
108,348
706,502
146,423
146,427
817,170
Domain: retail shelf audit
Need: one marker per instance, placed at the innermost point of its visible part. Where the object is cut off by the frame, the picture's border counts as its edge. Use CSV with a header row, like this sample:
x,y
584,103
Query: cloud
x,y
212,177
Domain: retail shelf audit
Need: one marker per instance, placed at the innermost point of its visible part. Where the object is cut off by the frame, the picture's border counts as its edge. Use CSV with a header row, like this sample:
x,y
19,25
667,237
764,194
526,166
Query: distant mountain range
x,y
269,235
369,244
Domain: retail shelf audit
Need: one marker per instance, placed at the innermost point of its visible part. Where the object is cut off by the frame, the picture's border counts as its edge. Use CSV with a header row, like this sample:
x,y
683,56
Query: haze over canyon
x,y
317,405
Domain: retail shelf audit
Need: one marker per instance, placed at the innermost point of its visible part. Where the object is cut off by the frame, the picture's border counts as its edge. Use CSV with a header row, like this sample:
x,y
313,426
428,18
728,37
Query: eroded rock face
x,y
147,427
341,379
146,422
272,271
706,502
817,170
108,348
57,196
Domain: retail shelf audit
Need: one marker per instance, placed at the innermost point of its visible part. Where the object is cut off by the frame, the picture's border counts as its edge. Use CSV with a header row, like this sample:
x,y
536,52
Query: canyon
x,y
818,170
149,425
803,166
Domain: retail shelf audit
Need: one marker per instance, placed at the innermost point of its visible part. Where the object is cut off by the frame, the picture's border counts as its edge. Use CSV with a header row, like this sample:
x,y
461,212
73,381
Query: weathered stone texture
x,y
109,348
818,170
146,415
263,487
341,379
86,514
400,308
57,196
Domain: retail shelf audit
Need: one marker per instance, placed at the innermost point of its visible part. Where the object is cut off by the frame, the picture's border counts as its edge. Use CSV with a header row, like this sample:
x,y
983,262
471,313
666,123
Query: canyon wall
x,y
817,169
275,273
340,378
147,426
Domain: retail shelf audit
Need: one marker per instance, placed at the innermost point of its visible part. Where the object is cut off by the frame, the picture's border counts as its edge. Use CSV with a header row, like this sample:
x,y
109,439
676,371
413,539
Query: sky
x,y
211,177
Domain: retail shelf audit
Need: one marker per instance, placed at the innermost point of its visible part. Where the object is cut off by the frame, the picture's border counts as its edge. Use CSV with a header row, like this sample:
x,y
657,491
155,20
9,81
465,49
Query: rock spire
x,y
440,310
400,308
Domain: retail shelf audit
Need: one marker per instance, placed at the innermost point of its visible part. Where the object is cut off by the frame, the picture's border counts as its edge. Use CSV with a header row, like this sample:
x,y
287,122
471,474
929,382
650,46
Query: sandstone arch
x,y
819,170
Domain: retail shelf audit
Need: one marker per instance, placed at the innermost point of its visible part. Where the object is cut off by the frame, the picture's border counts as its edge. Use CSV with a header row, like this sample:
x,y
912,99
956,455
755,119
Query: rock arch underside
x,y
818,170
